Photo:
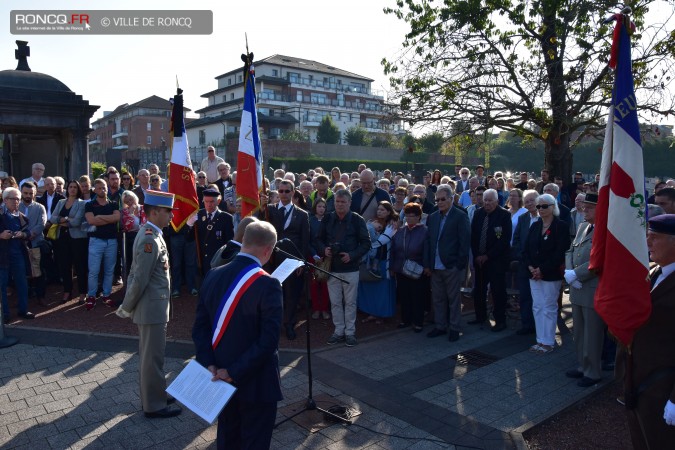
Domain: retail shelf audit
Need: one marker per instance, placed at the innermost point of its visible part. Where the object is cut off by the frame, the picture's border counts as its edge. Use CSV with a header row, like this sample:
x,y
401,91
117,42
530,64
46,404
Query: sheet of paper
x,y
286,268
194,389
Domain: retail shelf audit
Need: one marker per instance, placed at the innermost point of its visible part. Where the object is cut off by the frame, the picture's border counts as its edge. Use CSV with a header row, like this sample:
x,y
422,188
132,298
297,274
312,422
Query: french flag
x,y
249,157
619,254
181,175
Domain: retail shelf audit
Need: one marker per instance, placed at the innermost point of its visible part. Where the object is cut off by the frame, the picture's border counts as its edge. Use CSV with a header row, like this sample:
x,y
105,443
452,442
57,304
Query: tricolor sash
x,y
230,300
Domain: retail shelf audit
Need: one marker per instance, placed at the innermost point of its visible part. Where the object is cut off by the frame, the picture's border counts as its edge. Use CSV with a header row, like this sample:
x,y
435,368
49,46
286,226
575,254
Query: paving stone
x,y
39,399
20,394
30,412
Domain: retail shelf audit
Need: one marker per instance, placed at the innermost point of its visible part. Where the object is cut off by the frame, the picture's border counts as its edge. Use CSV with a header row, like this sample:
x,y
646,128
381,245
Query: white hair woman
x,y
544,255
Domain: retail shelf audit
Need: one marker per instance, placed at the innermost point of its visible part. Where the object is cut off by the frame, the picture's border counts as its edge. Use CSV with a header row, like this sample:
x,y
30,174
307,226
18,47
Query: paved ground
x,y
76,390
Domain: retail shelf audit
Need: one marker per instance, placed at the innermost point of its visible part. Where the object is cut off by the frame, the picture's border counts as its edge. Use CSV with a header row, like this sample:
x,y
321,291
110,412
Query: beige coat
x,y
148,286
577,258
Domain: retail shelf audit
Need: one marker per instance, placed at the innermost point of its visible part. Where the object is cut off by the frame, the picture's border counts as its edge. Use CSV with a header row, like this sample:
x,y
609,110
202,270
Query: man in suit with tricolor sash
x,y
236,336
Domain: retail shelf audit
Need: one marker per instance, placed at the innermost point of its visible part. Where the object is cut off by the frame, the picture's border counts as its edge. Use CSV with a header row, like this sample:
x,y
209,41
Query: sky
x,y
111,70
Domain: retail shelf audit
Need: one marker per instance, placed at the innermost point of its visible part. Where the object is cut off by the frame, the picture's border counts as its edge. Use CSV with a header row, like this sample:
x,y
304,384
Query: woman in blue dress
x,y
378,298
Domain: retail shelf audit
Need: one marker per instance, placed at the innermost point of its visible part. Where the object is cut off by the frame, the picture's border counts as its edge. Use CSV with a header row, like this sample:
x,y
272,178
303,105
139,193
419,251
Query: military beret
x,y
591,197
665,224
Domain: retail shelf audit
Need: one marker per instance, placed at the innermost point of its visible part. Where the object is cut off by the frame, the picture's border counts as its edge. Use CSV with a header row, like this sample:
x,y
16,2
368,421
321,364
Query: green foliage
x,y
97,170
384,140
295,135
431,142
534,69
328,132
357,136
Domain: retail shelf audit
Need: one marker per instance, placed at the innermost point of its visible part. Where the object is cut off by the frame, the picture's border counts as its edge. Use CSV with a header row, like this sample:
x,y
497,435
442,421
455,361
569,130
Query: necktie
x,y
286,215
482,246
655,277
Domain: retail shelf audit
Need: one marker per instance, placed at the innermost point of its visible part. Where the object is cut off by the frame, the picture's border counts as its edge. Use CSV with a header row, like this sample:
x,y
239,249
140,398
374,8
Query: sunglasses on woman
x,y
544,206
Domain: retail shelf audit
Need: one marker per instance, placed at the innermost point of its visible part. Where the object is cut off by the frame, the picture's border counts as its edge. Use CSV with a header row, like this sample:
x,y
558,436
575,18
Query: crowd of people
x,y
383,238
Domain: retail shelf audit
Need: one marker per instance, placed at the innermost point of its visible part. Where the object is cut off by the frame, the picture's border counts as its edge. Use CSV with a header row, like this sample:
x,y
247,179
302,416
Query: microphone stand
x,y
310,404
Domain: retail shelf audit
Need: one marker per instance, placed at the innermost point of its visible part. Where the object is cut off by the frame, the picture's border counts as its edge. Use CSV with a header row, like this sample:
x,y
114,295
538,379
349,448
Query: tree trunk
x,y
558,157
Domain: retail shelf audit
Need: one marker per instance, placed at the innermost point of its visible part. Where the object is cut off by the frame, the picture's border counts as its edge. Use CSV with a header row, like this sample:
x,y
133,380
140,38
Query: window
x,y
202,137
293,77
229,81
224,98
232,96
318,98
275,73
149,140
298,96
239,78
148,126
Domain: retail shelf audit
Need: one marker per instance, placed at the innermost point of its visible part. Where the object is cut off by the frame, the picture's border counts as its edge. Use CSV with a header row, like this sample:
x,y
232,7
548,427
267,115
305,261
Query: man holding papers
x,y
236,334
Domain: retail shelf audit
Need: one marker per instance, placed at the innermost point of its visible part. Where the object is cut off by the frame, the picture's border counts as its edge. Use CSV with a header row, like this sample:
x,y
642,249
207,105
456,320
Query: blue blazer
x,y
249,346
454,242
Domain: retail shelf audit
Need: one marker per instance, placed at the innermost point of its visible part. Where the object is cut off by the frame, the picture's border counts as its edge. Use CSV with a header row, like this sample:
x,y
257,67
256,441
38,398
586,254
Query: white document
x,y
194,389
286,268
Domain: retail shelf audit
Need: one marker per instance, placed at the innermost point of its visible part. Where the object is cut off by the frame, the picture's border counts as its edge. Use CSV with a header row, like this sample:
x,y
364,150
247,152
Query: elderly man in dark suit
x,y
490,244
446,258
589,328
652,420
243,351
293,224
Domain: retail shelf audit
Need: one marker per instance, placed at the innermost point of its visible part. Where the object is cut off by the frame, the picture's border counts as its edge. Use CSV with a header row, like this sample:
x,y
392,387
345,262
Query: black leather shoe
x,y
525,331
169,411
499,327
453,335
587,382
170,400
435,333
28,315
574,373
476,322
290,333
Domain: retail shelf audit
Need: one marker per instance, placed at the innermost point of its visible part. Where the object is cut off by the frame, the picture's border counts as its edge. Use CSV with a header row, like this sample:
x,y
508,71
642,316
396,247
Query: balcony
x,y
120,134
335,87
265,96
94,142
121,147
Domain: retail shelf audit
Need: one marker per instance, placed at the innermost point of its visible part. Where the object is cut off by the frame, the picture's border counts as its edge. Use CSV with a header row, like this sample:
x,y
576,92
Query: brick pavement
x,y
413,392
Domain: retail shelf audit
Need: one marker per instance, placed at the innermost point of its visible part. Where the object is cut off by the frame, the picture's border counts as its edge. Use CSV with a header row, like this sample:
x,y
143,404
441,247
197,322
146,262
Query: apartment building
x,y
292,94
136,133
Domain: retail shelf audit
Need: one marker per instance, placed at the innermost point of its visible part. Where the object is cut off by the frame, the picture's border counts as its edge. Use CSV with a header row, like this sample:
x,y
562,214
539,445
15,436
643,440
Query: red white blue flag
x,y
619,254
249,157
181,175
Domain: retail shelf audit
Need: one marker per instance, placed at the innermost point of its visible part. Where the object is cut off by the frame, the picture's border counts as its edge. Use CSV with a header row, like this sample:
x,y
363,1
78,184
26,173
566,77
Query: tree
x,y
328,132
431,142
383,140
356,135
537,69
295,135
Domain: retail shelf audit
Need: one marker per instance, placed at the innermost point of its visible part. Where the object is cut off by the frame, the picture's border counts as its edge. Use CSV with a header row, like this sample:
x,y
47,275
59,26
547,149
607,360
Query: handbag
x,y
410,268
325,264
53,232
34,259
365,275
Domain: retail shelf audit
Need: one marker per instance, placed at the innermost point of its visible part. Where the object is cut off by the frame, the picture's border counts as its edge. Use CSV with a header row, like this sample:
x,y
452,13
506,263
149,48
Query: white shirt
x,y
287,209
665,272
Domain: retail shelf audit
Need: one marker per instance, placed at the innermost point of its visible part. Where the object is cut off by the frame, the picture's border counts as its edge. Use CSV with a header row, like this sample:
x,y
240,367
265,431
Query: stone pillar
x,y
79,153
